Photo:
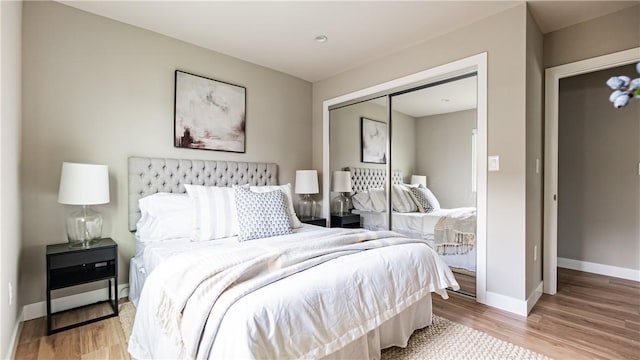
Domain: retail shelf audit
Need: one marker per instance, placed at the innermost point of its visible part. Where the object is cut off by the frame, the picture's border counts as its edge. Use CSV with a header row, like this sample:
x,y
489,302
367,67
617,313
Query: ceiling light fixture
x,y
321,38
445,100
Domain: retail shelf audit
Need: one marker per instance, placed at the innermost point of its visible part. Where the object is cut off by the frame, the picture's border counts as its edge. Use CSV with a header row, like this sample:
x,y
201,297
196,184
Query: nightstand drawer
x,y
90,256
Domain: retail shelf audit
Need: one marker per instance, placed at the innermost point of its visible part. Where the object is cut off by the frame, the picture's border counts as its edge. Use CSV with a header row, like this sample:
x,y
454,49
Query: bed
x,y
451,232
311,293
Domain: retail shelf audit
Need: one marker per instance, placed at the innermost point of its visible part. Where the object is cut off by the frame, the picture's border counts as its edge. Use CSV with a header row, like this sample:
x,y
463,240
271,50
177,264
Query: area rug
x,y
443,339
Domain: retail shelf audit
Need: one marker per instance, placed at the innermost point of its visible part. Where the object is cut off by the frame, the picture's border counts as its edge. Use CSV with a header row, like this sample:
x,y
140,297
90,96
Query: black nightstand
x,y
345,221
74,266
314,221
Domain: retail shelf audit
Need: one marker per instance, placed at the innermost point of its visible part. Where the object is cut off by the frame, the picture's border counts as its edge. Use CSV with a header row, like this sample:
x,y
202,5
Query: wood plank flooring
x,y
591,317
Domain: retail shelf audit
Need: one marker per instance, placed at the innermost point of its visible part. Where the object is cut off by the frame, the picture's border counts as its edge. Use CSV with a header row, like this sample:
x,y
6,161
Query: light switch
x,y
494,163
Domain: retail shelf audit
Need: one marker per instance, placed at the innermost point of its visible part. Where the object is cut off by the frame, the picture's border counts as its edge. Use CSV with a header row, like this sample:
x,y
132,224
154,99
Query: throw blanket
x,y
455,233
194,291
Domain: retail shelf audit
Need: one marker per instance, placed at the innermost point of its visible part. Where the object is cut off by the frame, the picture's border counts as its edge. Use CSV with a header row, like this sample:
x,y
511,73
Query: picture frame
x,y
373,141
208,114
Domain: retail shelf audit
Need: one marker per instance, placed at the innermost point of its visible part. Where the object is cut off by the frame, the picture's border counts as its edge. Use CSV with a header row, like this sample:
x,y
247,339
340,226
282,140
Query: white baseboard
x,y
506,303
15,337
39,309
535,296
608,270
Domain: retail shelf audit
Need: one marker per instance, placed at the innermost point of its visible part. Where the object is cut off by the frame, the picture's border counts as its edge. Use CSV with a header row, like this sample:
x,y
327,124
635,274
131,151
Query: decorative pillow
x,y
286,189
214,212
261,215
424,198
402,200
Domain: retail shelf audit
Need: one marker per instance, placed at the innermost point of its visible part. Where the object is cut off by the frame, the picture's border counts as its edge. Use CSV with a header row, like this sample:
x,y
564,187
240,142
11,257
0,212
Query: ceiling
x,y
280,34
445,98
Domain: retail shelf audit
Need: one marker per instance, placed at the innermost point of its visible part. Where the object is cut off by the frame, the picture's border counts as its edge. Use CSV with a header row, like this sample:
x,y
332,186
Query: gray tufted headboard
x,y
148,176
367,178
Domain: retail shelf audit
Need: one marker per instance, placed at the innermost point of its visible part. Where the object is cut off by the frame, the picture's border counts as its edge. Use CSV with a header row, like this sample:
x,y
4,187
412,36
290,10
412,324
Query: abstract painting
x,y
208,114
373,141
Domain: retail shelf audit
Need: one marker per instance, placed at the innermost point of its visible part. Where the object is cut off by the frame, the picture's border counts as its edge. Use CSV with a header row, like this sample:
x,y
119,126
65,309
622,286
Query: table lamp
x,y
307,184
84,185
341,184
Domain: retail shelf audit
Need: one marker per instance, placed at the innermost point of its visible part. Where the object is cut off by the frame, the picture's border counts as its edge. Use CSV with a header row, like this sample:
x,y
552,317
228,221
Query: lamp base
x,y
84,227
341,205
307,207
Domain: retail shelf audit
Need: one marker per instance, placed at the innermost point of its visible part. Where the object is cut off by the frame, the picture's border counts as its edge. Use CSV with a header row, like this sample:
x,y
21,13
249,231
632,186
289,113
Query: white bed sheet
x,y
394,331
418,225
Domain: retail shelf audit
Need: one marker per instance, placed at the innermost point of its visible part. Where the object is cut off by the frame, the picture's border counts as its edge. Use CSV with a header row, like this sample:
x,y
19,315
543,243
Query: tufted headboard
x,y
367,178
148,176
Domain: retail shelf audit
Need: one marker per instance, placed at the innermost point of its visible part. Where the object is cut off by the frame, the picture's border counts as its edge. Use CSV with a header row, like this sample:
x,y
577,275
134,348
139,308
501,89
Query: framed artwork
x,y
208,114
373,141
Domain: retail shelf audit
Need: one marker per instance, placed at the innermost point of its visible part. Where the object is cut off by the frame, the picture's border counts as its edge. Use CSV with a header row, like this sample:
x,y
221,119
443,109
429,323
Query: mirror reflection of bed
x,y
418,214
432,143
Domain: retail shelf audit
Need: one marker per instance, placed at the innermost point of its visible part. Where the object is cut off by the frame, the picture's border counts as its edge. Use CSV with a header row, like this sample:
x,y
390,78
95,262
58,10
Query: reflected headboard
x,y
368,178
148,176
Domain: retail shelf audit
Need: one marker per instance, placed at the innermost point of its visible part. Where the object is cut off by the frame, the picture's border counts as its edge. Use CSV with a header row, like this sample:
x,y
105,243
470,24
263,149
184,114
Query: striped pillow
x,y
214,215
402,199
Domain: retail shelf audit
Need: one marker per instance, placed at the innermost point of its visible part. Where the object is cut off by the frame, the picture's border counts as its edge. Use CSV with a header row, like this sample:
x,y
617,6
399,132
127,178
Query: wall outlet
x,y
535,252
10,293
494,163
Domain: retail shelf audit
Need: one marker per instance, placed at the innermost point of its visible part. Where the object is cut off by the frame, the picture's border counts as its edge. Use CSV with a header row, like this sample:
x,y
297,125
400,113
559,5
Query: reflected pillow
x,y
424,198
402,199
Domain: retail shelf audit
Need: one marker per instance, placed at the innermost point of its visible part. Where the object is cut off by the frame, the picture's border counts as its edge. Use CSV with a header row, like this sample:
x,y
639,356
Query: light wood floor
x,y
591,316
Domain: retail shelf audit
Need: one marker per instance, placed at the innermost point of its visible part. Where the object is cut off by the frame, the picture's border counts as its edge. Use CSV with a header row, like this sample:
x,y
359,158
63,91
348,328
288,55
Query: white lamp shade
x,y
342,181
306,182
419,179
83,184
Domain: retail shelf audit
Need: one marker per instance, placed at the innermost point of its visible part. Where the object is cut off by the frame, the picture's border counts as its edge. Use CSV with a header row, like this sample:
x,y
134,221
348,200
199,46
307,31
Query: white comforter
x,y
325,289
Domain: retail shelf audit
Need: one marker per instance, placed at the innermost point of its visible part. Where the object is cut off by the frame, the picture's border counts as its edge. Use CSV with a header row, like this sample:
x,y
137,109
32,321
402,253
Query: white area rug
x,y
443,339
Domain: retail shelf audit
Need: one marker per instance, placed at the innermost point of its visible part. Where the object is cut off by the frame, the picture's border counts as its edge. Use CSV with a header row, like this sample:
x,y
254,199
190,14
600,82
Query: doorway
x,y
551,193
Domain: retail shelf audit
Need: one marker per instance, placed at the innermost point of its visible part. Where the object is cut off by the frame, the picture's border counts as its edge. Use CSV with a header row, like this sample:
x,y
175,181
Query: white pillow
x,y
378,199
166,226
295,222
402,199
164,216
362,201
214,215
162,202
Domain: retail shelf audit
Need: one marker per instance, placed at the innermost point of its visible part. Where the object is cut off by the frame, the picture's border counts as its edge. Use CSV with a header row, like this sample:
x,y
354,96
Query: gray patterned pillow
x,y
261,215
426,201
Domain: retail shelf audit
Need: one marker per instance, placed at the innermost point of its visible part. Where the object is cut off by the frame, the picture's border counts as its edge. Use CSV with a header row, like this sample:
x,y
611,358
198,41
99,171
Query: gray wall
x,y
604,35
344,137
443,154
599,185
99,91
10,129
534,151
503,36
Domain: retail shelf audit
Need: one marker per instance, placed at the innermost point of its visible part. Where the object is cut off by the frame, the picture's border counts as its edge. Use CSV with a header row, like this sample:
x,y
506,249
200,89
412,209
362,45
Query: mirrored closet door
x,y
433,157
406,161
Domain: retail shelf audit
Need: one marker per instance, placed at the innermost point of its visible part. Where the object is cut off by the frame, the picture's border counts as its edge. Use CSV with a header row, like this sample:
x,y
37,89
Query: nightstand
x,y
314,221
345,221
75,266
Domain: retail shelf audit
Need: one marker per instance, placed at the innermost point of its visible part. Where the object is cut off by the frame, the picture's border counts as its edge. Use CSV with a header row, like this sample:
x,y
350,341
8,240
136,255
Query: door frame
x,y
552,82
476,63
